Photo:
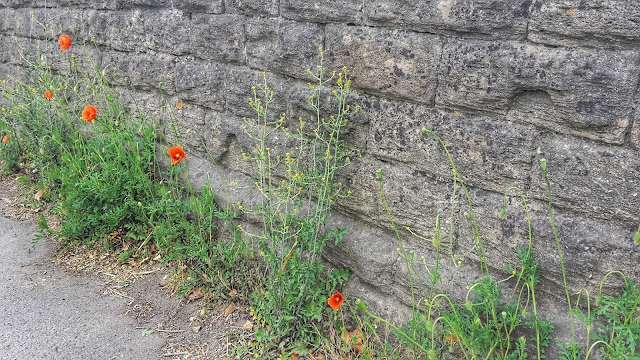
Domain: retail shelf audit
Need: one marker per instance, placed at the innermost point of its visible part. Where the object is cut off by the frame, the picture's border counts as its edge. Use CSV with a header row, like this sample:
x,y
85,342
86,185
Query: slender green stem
x,y
555,234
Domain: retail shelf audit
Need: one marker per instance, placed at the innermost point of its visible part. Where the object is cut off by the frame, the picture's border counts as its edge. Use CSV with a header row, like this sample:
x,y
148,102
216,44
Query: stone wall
x,y
503,82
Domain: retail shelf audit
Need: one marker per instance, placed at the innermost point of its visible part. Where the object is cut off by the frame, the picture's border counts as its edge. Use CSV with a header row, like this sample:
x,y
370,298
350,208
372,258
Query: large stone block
x,y
488,151
184,126
391,63
49,23
24,3
323,11
506,19
144,71
201,82
168,31
197,6
606,24
119,30
252,7
285,47
238,89
587,93
598,181
217,37
7,21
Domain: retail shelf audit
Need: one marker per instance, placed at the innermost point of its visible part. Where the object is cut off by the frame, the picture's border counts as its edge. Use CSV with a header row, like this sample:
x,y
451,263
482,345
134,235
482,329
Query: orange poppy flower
x,y
65,42
5,139
335,301
48,94
177,154
89,113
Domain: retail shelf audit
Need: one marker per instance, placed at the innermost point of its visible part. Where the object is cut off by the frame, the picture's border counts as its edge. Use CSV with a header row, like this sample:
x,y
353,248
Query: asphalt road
x,y
47,313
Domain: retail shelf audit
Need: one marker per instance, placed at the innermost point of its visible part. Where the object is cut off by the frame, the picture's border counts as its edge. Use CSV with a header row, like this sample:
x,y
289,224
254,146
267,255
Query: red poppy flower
x,y
89,113
48,94
5,139
335,301
65,42
177,154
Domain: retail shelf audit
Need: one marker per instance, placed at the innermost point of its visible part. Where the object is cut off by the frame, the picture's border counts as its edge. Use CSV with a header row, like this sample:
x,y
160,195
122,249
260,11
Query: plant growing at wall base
x,y
297,191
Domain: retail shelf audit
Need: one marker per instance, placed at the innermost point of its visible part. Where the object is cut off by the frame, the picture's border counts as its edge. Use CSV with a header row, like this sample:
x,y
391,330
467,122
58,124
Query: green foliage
x,y
297,191
621,327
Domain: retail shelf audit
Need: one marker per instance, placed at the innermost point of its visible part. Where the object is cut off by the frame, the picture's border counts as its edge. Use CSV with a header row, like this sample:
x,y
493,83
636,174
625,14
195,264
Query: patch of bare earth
x,y
194,327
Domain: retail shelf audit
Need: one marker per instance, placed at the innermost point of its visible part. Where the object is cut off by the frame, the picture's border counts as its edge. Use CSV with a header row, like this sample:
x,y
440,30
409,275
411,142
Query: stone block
x,y
590,247
200,82
322,11
496,19
391,63
565,90
197,6
184,126
119,30
217,37
48,23
7,21
252,7
238,84
24,3
488,151
595,180
144,71
285,47
605,24
168,31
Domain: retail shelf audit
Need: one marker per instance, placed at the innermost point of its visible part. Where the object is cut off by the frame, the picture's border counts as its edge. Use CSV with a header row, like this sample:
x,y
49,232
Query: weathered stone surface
x,y
198,6
201,82
238,84
167,31
217,37
7,21
26,3
141,70
595,180
505,19
226,141
635,134
184,126
488,151
284,47
252,7
119,30
606,24
575,91
392,63
323,11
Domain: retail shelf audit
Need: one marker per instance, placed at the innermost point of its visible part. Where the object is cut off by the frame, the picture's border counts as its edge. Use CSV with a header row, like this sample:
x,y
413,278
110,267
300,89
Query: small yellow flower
x,y
459,262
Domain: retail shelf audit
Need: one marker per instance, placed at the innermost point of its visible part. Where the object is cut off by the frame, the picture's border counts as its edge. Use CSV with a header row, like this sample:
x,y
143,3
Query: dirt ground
x,y
141,292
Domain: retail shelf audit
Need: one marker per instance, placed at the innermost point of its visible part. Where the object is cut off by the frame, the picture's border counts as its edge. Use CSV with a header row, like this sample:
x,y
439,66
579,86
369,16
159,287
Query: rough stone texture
x,y
581,92
284,47
200,82
600,181
142,70
502,82
322,11
393,63
490,18
252,7
606,24
218,37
